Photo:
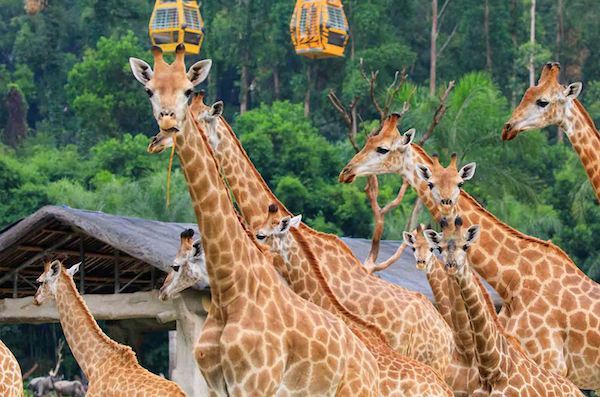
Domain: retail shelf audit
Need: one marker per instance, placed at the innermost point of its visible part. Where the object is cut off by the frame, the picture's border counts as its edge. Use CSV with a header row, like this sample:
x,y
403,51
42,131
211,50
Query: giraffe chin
x,y
451,269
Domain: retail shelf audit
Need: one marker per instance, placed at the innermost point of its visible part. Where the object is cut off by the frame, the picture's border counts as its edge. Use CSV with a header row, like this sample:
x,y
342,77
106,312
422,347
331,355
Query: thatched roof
x,y
137,245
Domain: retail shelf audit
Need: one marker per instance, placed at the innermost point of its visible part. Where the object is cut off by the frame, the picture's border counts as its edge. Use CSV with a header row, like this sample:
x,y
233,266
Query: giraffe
x,y
550,103
559,331
111,368
188,268
504,368
265,340
11,381
411,324
398,374
464,376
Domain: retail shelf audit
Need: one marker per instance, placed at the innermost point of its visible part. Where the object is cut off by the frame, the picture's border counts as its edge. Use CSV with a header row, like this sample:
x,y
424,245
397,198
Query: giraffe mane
x,y
315,265
492,310
506,228
258,177
212,155
586,116
125,352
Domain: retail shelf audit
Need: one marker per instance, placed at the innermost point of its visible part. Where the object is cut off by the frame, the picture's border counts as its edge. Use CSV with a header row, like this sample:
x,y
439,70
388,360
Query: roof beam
x,y
35,258
34,248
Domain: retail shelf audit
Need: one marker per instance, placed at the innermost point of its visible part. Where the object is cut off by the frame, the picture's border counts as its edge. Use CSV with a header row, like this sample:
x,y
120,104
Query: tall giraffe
x,y
504,368
550,103
398,374
408,320
559,331
11,380
112,369
268,340
188,268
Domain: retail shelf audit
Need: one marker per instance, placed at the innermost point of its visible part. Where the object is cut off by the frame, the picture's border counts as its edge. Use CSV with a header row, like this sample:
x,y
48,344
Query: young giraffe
x,y
398,375
188,268
409,321
550,103
11,381
266,339
112,369
504,368
465,376
558,330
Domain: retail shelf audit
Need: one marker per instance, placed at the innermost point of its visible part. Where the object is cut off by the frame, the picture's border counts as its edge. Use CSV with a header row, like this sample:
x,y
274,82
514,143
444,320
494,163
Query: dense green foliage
x,y
88,120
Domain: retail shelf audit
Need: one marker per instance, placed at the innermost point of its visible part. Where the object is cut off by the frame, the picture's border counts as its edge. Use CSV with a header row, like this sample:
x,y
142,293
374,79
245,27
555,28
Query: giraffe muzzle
x,y
347,175
508,132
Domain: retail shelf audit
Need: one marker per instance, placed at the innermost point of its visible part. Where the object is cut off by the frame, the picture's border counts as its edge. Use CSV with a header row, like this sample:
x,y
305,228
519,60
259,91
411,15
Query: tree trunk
x,y
16,125
486,29
244,88
532,42
276,83
513,36
559,38
433,51
308,90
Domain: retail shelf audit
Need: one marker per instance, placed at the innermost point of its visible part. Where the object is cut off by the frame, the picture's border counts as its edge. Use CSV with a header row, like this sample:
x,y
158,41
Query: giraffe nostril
x,y
507,126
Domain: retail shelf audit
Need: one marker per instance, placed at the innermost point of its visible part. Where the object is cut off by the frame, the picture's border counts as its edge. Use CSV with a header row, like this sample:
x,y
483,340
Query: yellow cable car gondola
x,y
319,28
174,22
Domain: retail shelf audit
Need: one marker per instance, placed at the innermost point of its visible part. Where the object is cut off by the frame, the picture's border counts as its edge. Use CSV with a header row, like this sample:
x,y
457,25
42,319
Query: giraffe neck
x,y
585,138
503,253
438,281
252,193
90,346
299,254
225,241
487,336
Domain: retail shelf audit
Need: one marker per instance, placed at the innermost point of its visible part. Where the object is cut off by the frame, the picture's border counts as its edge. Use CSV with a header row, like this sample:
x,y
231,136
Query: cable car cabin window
x,y
163,38
336,39
336,18
168,1
192,38
166,18
192,18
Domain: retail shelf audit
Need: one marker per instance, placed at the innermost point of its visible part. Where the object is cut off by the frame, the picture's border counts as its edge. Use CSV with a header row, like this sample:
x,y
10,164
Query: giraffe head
x,y
169,87
274,232
188,267
453,244
545,104
49,280
424,255
384,153
445,183
208,117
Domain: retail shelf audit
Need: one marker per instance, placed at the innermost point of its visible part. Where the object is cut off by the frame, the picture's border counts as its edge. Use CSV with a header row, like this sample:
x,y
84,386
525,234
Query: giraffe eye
x,y
382,150
460,184
189,93
149,92
542,103
430,185
176,268
261,236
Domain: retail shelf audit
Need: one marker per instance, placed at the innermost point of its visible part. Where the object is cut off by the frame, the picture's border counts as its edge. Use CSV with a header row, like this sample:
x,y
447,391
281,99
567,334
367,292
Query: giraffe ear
x,y
423,172
199,71
409,136
295,221
409,239
573,90
433,238
467,171
472,234
73,269
216,110
141,70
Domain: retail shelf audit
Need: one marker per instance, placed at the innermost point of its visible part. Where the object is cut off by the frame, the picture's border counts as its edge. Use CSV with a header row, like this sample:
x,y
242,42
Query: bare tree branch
x,y
443,47
349,116
439,113
388,262
59,358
